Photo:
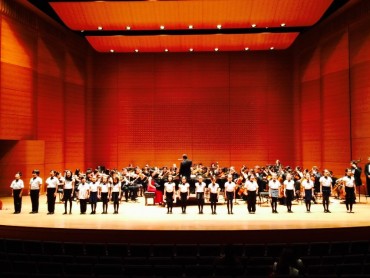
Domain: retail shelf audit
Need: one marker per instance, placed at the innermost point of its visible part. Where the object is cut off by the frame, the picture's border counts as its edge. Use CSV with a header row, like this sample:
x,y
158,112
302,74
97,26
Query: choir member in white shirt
x,y
35,186
83,194
103,191
93,194
17,186
230,193
326,186
274,187
289,191
51,191
115,193
169,193
68,187
309,188
251,190
349,189
214,190
199,191
184,189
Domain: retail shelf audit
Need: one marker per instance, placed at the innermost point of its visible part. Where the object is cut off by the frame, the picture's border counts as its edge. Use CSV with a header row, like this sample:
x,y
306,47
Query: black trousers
x,y
35,193
83,205
51,199
17,200
251,200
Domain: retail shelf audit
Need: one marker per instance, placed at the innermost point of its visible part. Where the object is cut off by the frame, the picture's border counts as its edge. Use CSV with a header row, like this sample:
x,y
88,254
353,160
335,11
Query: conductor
x,y
185,167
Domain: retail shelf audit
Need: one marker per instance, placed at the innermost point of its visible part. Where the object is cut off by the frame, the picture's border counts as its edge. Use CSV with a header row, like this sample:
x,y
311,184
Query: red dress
x,y
158,194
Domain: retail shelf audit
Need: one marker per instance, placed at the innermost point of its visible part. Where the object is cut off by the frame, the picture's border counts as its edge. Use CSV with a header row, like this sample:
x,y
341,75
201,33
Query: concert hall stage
x,y
137,223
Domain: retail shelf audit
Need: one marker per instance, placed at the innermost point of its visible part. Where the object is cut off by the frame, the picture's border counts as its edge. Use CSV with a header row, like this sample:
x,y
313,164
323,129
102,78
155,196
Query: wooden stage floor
x,y
137,222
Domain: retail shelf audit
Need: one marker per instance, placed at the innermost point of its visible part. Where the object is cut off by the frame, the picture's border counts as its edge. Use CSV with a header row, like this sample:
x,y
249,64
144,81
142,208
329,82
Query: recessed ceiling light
x,y
100,27
82,31
219,26
254,25
191,26
282,24
128,27
166,50
161,27
191,49
216,49
246,49
136,50
272,48
112,50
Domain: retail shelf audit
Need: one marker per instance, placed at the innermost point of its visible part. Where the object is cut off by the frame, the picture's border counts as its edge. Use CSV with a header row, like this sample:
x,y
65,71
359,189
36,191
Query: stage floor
x,y
137,216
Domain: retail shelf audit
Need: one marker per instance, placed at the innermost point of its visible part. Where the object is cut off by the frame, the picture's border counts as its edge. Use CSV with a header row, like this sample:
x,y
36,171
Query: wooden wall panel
x,y
338,66
171,104
42,82
23,156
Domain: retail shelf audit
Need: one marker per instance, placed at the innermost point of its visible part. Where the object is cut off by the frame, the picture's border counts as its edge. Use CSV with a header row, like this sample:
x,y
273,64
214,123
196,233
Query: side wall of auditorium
x,y
332,91
43,82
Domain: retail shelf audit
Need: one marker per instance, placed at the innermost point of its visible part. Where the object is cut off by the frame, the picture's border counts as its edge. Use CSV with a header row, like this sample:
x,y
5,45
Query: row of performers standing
x,y
93,186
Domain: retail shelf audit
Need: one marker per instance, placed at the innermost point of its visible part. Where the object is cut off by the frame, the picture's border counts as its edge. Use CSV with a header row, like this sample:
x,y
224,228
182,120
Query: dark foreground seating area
x,y
23,258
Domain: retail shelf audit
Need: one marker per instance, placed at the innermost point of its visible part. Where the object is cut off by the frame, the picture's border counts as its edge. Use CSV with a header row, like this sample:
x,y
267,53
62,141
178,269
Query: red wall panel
x,y
212,107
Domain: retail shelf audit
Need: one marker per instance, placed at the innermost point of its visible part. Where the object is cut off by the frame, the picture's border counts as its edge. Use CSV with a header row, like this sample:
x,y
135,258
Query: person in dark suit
x,y
185,167
367,174
356,170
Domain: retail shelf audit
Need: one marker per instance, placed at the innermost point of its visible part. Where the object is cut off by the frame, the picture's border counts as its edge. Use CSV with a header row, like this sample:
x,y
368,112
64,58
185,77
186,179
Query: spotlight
x,y
282,24
246,49
254,25
191,26
128,27
216,49
161,27
100,27
219,26
111,51
272,48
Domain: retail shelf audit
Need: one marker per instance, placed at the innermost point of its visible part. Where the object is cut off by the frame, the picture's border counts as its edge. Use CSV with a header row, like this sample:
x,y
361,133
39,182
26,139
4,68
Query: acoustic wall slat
x,y
51,61
334,53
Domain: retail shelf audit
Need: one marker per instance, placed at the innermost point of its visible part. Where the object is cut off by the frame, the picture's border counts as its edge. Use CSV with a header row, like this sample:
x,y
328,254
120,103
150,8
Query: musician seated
x,y
151,187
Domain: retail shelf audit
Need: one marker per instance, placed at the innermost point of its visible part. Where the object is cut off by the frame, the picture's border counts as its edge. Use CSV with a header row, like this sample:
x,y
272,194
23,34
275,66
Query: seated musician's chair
x,y
149,195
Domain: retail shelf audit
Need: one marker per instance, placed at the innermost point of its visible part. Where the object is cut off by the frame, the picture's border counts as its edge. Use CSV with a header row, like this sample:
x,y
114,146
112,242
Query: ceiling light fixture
x,y
283,24
272,48
166,50
128,27
111,51
216,49
254,25
219,26
191,49
161,27
246,49
136,50
100,27
191,26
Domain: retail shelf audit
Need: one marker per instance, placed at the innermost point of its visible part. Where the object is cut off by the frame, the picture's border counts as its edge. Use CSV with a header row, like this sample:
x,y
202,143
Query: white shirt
x,y
52,182
289,185
83,190
230,186
17,184
349,181
35,183
116,187
325,181
184,187
199,188
94,187
104,187
307,184
251,185
213,187
169,187
68,184
274,184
